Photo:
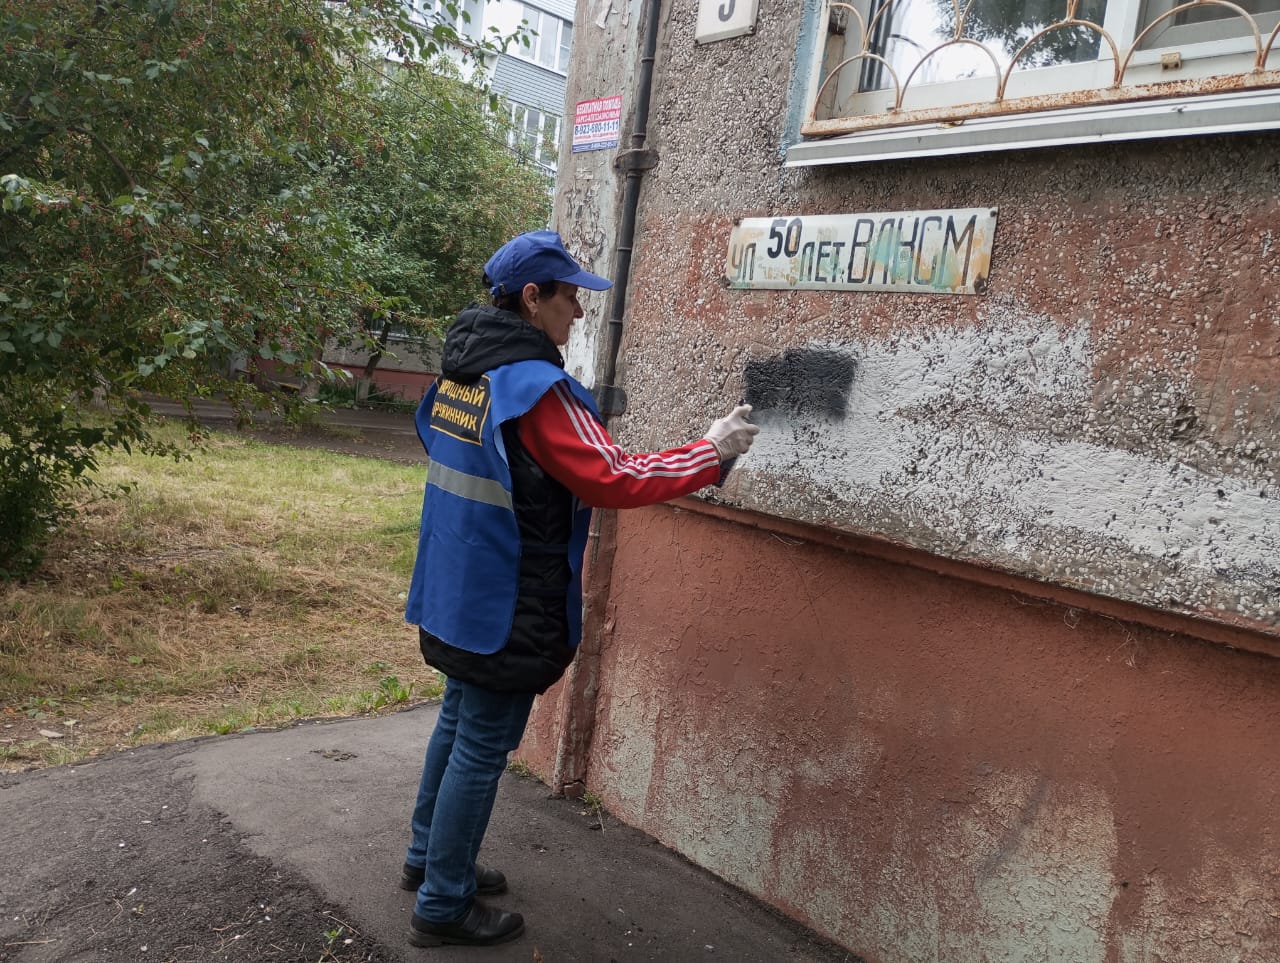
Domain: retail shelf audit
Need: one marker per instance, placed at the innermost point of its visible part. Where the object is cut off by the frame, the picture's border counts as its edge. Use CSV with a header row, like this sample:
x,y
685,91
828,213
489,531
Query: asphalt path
x,y
286,845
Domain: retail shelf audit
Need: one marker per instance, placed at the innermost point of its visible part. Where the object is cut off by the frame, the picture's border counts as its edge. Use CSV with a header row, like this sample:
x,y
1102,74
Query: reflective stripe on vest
x,y
471,487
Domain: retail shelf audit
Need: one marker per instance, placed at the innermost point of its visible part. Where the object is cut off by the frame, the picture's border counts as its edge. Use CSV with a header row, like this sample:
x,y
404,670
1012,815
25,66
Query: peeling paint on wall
x,y
1032,864
1044,883
1230,896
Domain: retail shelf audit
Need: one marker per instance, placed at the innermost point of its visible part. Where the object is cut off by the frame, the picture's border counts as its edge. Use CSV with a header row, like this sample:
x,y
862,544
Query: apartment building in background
x,y
529,78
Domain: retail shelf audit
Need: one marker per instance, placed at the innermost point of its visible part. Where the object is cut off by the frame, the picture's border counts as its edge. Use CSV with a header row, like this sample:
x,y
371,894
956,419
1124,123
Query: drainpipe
x,y
578,702
634,162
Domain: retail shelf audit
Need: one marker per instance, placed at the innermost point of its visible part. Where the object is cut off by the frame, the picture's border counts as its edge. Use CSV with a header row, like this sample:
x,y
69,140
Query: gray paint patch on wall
x,y
939,443
815,380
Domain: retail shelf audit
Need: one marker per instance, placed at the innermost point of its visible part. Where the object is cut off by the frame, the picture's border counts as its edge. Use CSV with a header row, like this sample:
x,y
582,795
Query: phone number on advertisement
x,y
600,127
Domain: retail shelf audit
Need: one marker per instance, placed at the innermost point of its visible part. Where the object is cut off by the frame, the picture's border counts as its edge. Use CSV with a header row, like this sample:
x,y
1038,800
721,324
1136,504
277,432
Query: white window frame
x,y
1228,41
469,22
1065,104
548,38
564,49
542,141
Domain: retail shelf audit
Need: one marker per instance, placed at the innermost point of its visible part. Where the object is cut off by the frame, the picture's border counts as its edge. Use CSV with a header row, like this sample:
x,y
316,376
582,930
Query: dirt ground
x,y
158,902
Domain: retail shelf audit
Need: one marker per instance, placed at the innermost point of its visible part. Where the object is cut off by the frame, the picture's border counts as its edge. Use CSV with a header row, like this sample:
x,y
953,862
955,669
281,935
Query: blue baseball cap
x,y
537,257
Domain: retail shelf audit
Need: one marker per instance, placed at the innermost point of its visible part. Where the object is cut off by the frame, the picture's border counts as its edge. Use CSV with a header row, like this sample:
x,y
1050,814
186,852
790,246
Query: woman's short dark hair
x,y
511,302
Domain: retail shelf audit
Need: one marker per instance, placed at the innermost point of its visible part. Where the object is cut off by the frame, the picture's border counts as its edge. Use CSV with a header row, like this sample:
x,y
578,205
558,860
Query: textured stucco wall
x,y
588,206
1105,417
987,729
928,770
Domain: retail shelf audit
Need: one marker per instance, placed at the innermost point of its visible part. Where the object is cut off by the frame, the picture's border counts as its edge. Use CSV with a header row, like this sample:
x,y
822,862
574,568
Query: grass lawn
x,y
250,586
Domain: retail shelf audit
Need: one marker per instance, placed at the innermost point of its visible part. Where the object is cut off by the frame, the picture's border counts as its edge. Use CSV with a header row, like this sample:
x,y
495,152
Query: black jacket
x,y
537,650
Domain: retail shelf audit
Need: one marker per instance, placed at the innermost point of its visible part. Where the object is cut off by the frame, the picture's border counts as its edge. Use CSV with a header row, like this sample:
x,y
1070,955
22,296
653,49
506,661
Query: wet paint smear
x,y
814,380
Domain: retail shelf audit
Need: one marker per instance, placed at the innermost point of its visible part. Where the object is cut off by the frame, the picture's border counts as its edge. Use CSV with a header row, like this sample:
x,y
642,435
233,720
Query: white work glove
x,y
733,434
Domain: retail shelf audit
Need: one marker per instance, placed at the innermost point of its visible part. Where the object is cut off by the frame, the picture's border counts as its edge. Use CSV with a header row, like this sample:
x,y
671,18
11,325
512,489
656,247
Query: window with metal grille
x,y
881,65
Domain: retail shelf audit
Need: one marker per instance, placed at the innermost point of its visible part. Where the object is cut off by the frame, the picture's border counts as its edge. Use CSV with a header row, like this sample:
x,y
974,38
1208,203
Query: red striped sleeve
x,y
573,448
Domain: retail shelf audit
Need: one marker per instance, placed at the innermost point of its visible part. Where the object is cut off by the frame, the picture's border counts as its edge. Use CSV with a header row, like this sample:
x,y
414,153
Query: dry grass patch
x,y
250,586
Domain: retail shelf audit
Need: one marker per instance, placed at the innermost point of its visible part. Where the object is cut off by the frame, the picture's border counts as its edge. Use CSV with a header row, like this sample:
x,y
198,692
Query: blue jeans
x,y
466,757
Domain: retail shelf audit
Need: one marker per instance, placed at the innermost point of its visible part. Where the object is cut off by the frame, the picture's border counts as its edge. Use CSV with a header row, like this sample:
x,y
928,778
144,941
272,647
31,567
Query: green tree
x,y
437,197
175,195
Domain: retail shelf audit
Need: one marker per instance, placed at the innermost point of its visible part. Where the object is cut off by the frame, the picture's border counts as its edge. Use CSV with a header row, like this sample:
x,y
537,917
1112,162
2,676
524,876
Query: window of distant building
x,y
465,16
537,132
551,42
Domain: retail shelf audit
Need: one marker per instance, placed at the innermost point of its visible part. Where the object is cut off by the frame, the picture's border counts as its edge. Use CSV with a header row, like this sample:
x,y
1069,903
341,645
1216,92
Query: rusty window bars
x,y
888,63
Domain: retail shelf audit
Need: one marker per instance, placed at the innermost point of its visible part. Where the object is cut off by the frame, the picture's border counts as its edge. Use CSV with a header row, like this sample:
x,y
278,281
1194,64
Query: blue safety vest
x,y
466,575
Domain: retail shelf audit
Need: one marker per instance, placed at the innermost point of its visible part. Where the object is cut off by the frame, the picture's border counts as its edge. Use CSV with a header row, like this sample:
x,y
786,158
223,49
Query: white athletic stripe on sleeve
x,y
639,466
655,465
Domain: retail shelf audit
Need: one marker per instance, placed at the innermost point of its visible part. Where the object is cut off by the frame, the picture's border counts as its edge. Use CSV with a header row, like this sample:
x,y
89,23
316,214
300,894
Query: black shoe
x,y
480,926
489,882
